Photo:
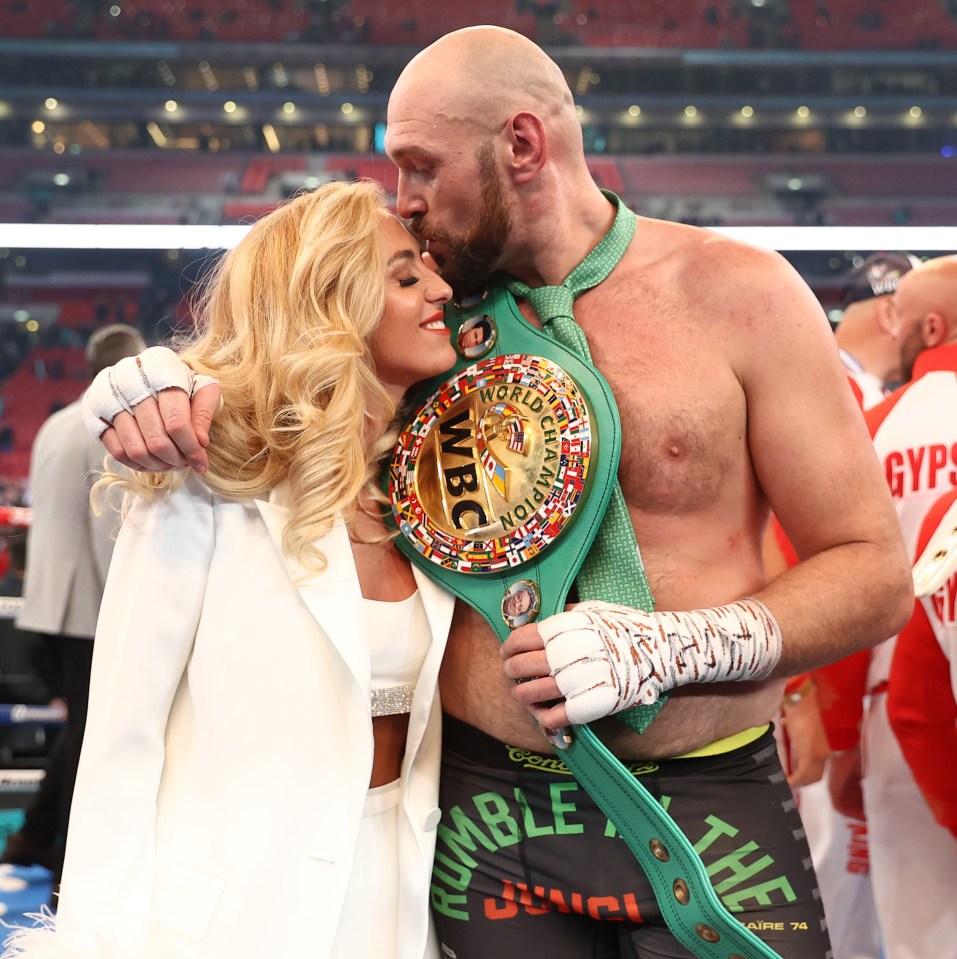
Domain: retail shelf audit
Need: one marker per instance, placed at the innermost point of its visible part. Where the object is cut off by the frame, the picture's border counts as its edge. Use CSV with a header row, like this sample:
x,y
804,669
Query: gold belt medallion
x,y
491,468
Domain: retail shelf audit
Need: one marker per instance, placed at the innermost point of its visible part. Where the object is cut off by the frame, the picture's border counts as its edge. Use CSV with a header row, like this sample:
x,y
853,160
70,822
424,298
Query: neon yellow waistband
x,y
727,744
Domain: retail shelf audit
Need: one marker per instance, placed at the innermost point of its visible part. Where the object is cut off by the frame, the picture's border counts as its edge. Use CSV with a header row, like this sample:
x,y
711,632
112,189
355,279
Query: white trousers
x,y
370,916
913,858
839,849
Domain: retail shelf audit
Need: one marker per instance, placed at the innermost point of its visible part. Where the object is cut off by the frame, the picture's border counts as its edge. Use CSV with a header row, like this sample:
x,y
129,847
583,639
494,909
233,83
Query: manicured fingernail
x,y
560,738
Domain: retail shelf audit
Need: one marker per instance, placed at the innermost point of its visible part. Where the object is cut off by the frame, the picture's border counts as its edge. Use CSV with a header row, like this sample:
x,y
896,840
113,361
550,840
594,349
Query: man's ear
x,y
935,329
886,319
528,146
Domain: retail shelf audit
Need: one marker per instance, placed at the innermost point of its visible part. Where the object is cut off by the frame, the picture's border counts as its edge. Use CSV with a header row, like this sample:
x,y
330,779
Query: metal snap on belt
x,y
659,850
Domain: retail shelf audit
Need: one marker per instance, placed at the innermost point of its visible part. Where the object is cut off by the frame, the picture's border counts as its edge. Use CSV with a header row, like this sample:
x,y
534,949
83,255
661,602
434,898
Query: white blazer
x,y
229,744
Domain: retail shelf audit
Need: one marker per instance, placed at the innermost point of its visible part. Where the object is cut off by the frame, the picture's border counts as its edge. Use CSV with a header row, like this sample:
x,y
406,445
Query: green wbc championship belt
x,y
512,453
494,466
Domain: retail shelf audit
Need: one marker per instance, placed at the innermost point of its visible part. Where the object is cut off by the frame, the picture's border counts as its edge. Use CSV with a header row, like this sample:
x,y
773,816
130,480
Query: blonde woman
x,y
260,771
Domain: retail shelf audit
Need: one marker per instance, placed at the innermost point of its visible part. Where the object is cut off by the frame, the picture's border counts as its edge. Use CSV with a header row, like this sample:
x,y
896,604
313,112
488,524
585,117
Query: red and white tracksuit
x,y
922,691
913,857
838,843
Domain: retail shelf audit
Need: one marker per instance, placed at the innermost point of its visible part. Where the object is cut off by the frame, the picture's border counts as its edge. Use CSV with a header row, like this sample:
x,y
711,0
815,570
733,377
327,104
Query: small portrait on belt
x,y
521,603
476,336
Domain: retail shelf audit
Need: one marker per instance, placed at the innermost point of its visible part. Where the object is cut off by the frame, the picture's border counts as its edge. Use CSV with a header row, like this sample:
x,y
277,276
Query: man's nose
x,y
408,202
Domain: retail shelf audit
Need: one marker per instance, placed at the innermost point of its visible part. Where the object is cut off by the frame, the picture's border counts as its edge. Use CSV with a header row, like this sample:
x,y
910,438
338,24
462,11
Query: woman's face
x,y
411,343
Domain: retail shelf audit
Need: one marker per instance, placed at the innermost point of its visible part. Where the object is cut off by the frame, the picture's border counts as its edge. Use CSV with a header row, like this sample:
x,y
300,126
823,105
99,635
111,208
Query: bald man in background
x,y
866,335
868,340
913,857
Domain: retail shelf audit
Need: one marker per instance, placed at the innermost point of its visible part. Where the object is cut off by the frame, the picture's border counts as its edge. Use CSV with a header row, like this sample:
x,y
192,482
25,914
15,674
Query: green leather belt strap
x,y
689,905
691,908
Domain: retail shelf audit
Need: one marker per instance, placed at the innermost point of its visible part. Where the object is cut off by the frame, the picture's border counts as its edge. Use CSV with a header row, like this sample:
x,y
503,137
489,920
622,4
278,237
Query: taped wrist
x,y
607,658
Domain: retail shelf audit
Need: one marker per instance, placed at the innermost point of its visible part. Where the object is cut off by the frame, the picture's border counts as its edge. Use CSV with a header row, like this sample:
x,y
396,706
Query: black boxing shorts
x,y
528,867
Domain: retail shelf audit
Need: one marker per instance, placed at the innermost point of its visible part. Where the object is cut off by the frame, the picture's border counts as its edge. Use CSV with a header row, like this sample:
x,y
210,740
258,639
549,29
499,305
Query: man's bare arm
x,y
814,464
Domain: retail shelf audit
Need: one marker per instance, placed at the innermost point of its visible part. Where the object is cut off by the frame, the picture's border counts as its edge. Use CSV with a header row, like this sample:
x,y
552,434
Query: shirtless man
x,y
733,401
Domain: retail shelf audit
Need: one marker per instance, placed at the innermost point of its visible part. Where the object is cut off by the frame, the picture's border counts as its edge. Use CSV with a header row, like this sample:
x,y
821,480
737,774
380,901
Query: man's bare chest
x,y
682,410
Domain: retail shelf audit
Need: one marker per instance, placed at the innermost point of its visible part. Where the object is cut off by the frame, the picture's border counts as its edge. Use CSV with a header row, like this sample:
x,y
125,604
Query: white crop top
x,y
399,638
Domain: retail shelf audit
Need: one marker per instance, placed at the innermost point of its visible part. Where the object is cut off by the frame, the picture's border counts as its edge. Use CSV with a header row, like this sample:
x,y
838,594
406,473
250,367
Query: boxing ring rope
x,y
17,517
10,606
21,714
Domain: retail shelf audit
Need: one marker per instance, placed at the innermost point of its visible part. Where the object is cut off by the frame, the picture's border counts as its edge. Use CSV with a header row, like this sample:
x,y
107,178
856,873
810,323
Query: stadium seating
x,y
183,187
805,24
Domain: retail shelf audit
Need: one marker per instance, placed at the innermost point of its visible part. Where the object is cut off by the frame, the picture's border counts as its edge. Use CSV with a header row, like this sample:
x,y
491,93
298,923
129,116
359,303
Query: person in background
x,y
866,334
820,738
915,436
260,770
922,688
67,564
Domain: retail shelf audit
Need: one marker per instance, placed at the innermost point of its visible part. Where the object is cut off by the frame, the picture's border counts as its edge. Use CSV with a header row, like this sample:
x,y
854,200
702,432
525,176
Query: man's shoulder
x,y
61,420
64,435
707,270
691,247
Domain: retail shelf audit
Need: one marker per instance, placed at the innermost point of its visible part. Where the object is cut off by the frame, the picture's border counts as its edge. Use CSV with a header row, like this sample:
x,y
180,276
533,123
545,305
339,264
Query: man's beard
x,y
470,257
910,348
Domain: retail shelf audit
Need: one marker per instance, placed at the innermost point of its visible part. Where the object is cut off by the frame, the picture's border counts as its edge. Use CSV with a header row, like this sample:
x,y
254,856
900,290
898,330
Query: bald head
x,y
480,76
492,170
932,286
925,308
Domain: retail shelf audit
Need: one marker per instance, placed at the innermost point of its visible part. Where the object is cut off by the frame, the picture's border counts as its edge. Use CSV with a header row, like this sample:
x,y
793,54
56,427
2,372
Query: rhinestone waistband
x,y
392,700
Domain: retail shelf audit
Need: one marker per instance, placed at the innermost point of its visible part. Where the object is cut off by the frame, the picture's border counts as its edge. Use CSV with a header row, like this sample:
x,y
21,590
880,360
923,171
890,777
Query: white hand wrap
x,y
121,387
608,658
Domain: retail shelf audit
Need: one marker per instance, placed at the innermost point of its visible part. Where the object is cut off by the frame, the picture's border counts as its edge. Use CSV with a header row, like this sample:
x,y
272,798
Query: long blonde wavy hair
x,y
285,322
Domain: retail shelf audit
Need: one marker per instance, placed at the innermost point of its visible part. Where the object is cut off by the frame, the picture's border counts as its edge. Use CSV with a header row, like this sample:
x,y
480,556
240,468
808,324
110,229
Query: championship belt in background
x,y
511,453
938,560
